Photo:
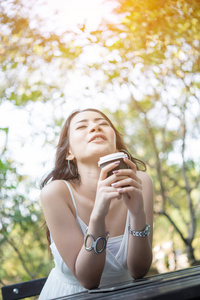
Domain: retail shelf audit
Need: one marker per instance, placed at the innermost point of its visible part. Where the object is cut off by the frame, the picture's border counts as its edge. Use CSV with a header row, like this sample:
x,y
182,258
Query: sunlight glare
x,y
69,13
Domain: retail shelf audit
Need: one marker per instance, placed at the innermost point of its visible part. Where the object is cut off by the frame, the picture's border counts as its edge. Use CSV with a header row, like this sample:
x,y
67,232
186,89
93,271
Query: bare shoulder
x,y
56,189
145,177
147,188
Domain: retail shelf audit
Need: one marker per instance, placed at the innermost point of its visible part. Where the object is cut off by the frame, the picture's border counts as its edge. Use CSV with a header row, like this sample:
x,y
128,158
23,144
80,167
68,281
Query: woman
x,y
81,204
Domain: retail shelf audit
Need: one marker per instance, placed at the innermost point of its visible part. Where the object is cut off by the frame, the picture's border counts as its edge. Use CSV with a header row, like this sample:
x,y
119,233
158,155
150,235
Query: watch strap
x,y
142,233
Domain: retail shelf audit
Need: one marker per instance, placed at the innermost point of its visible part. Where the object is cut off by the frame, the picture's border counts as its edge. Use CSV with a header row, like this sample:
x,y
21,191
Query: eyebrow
x,y
86,120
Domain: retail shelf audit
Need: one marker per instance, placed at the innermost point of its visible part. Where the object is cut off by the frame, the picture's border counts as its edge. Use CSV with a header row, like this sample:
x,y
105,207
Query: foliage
x,y
148,61
154,56
28,54
23,247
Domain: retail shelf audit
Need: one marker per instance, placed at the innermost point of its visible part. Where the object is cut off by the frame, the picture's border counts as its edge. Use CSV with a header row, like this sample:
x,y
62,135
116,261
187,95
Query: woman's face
x,y
90,135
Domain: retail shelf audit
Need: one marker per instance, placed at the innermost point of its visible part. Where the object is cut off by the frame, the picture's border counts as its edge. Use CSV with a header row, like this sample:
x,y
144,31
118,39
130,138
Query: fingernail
x,y
116,171
113,184
120,190
117,162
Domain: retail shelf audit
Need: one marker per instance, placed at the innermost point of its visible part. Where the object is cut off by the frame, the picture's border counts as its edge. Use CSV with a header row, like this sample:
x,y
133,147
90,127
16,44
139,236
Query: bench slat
x,y
23,289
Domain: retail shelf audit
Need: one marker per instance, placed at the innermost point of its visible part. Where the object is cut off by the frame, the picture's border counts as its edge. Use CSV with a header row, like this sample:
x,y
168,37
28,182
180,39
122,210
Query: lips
x,y
97,137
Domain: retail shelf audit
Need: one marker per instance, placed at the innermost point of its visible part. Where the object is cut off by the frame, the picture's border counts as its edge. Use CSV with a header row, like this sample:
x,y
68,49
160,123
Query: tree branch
x,y
12,244
192,228
173,223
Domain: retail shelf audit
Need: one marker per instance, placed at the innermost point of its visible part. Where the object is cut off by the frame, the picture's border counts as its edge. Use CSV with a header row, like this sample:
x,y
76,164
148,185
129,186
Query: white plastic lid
x,y
111,157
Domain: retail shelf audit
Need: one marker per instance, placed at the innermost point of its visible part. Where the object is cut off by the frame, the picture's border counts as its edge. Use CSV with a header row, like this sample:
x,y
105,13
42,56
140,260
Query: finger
x,y
131,164
109,192
126,190
107,168
119,197
127,182
115,194
125,173
112,179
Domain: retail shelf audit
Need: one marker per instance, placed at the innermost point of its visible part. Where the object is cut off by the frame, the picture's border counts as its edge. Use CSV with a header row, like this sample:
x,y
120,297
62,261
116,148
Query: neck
x,y
89,178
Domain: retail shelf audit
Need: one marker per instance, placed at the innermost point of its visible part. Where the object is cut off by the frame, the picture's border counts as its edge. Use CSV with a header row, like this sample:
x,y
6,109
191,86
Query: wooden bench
x,y
23,290
177,285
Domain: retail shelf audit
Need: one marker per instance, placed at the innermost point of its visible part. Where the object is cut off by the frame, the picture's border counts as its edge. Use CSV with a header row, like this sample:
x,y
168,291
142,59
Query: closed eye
x,y
81,127
104,123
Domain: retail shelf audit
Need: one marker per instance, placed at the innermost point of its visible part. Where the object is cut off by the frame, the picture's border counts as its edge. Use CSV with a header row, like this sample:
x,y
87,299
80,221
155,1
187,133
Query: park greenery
x,y
148,61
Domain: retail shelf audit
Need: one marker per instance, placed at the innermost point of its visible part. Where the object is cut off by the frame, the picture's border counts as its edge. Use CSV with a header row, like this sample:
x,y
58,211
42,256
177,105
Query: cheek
x,y
114,138
72,142
115,141
75,140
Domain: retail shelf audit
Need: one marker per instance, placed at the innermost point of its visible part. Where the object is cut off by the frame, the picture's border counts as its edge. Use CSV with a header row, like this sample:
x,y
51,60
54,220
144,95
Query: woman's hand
x,y
129,185
105,191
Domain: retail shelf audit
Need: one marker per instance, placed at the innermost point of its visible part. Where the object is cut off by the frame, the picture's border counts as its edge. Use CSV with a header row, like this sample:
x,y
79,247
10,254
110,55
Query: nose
x,y
95,127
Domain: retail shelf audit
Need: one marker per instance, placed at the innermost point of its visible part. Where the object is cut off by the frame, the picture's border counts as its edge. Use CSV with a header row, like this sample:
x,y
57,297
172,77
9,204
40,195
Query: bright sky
x,y
23,123
73,12
25,147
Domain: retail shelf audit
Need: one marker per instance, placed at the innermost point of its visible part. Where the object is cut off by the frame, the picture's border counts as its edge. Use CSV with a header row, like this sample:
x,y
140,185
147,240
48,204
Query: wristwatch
x,y
142,233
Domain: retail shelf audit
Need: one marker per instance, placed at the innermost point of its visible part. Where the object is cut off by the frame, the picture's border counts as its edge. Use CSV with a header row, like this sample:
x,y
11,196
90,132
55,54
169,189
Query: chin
x,y
106,152
100,152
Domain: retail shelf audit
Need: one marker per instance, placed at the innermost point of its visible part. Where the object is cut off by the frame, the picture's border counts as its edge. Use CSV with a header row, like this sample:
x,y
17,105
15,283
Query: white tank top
x,y
114,243
61,282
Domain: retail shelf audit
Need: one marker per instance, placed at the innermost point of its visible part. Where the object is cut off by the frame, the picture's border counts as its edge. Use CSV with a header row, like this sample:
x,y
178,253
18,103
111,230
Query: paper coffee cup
x,y
119,156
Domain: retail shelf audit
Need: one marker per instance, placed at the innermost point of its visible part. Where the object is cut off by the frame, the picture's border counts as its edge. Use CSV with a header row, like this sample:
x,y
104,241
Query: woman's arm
x,y
86,266
140,248
138,197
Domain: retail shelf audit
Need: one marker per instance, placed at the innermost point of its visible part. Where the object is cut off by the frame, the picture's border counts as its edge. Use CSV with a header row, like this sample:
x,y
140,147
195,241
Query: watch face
x,y
148,229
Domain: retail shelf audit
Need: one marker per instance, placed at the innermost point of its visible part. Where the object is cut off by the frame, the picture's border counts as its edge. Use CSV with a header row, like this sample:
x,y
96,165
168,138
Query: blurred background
x,y
137,61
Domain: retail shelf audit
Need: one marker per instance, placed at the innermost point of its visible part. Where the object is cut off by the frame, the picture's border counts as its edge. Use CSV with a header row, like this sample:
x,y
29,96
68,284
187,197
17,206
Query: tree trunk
x,y
190,254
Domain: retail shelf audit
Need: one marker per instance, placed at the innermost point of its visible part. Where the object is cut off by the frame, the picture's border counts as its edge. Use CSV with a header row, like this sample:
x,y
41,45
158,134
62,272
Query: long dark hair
x,y
67,170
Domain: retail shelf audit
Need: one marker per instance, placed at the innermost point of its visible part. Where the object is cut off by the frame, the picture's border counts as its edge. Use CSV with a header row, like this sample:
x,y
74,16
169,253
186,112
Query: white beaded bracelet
x,y
142,233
